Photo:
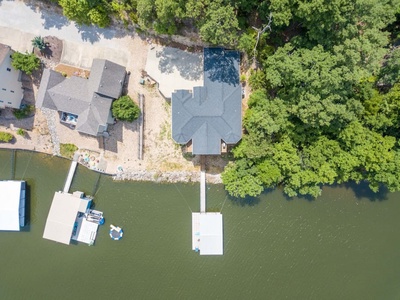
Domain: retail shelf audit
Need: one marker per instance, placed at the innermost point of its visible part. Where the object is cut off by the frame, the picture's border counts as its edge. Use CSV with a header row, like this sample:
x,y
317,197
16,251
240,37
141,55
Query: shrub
x,y
125,109
23,112
21,132
68,150
25,62
6,137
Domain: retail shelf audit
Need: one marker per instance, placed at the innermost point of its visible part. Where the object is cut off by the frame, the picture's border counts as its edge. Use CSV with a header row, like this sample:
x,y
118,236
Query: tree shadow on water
x,y
247,201
362,191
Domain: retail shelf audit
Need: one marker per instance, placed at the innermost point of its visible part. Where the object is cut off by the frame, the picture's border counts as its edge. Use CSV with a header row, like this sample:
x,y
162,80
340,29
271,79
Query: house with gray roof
x,y
11,92
210,117
83,103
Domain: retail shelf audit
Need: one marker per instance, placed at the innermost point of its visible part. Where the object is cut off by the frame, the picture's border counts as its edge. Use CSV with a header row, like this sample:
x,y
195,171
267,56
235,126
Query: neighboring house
x,y
83,103
11,92
210,118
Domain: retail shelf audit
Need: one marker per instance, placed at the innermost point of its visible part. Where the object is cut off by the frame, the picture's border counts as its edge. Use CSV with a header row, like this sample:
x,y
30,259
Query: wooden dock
x,y
203,185
71,173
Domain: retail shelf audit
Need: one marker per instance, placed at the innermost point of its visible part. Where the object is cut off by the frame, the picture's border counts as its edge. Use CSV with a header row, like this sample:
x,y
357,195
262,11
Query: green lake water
x,y
344,245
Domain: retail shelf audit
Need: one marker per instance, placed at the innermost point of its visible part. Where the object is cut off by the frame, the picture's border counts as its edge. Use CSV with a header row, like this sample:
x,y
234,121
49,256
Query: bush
x,y
68,150
125,109
21,132
23,112
6,137
25,62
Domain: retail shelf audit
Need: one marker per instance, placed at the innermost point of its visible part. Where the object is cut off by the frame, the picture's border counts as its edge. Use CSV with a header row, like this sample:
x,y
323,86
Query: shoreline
x,y
140,175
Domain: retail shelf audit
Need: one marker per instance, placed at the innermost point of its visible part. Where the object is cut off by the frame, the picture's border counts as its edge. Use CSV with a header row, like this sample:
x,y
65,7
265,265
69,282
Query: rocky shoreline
x,y
166,177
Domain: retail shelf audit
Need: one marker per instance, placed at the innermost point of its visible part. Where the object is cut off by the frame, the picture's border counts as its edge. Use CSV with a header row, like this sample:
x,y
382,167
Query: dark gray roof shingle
x,y
212,112
89,99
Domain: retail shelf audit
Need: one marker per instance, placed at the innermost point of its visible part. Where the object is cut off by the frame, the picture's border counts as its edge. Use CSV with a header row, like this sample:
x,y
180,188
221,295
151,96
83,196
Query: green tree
x,y
390,73
168,12
125,109
86,11
220,26
99,16
25,62
76,10
146,13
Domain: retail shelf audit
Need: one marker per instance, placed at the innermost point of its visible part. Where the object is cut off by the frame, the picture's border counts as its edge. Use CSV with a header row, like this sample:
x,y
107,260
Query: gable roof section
x,y
61,218
107,79
4,50
212,112
89,99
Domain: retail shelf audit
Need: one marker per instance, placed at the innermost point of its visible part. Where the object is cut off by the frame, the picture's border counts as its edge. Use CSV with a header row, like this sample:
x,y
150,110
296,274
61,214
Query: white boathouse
x,y
70,217
12,204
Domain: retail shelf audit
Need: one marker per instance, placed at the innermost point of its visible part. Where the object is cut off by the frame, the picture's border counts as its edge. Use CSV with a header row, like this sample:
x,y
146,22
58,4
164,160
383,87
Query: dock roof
x,y
61,219
12,204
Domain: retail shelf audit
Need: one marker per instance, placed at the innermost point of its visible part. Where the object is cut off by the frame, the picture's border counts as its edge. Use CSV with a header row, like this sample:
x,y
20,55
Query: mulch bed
x,y
50,56
72,71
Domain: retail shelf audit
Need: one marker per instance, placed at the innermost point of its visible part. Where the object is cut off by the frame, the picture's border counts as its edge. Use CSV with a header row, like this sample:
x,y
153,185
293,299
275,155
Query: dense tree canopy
x,y
325,104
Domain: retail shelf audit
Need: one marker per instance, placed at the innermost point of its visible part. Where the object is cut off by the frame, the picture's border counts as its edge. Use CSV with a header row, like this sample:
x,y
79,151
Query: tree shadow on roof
x,y
189,65
221,66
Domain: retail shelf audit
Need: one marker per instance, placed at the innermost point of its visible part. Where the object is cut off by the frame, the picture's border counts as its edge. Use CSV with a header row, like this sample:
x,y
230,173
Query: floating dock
x,y
207,228
207,233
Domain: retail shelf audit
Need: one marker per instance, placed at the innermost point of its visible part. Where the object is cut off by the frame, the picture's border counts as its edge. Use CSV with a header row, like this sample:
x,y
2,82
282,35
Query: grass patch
x,y
68,150
165,132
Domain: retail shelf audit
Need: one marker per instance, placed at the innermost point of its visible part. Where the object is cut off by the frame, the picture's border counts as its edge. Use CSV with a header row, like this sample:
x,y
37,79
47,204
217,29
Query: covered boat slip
x,y
207,233
84,230
12,204
67,219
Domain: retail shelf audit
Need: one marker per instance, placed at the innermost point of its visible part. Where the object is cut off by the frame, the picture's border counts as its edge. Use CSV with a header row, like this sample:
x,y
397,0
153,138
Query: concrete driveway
x,y
20,23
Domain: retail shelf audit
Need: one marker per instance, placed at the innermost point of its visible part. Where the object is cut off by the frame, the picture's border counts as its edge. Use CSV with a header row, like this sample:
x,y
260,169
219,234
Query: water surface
x,y
344,245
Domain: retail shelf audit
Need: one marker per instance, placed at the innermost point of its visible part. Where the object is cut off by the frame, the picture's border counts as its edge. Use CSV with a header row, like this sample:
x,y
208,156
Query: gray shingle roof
x,y
212,112
89,99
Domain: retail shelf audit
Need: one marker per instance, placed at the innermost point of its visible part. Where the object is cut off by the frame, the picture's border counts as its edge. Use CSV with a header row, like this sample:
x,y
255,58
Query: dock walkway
x,y
71,173
203,186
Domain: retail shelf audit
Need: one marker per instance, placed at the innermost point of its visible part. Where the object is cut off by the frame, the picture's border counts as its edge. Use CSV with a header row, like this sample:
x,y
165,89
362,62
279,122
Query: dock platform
x,y
71,173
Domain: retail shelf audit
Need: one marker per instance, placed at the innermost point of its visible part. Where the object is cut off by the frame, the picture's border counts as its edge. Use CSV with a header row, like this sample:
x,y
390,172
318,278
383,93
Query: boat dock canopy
x,y
12,205
207,233
63,213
